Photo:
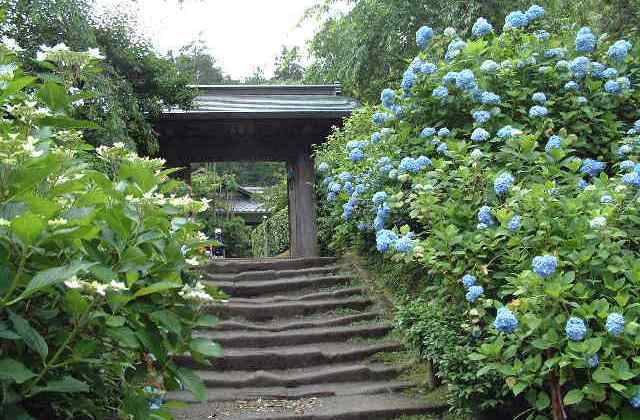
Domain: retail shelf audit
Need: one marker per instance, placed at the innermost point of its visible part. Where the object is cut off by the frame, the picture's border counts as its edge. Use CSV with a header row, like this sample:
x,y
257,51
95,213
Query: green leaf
x,y
206,347
124,336
603,375
543,401
477,356
207,321
30,336
518,388
156,288
175,405
14,370
67,385
54,95
53,276
75,303
66,122
193,383
28,227
115,321
573,397
168,320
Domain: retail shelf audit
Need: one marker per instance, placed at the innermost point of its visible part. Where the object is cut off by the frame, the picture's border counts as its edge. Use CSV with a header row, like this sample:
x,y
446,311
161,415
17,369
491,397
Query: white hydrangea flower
x,y
196,293
192,261
117,285
598,222
450,32
11,44
95,54
4,222
74,283
57,222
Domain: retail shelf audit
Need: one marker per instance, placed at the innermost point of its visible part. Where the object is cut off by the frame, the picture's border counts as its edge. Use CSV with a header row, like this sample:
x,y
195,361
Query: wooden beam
x,y
303,233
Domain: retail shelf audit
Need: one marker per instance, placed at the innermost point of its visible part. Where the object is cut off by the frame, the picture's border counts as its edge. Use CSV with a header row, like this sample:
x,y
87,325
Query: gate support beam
x,y
303,233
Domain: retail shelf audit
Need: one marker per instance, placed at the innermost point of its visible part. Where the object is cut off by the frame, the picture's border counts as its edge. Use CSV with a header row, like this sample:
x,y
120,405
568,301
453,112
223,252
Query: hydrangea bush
x,y
507,165
97,250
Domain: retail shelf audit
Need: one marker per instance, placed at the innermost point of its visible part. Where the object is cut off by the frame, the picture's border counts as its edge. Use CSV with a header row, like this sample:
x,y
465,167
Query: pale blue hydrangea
x,y
380,118
612,87
625,149
359,189
619,50
388,97
450,77
506,132
347,211
424,162
515,223
572,85
356,155
331,197
481,117
615,324
539,97
408,80
516,19
635,401
408,165
538,111
480,135
610,73
545,265
424,36
466,80
592,167
481,27
345,176
505,321
427,132
606,199
404,244
383,211
363,227
503,183
415,64
385,239
534,12
580,66
582,184
469,280
554,142
481,226
378,223
474,293
627,165
485,216
624,81
593,361
428,68
398,110
542,35
376,137
348,187
323,167
585,40
582,100
334,187
440,92
562,65
476,154
356,144
597,69
632,178
489,66
444,132
575,329
443,148
555,53
379,198
490,98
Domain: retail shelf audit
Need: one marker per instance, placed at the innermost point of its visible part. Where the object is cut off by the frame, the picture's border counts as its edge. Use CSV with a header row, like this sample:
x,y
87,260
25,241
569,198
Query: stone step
x,y
338,293
265,311
297,392
273,274
358,407
242,265
353,372
262,287
230,339
323,320
293,357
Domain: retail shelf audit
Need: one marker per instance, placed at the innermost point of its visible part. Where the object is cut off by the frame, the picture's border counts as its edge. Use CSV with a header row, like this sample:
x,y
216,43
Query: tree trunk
x,y
556,398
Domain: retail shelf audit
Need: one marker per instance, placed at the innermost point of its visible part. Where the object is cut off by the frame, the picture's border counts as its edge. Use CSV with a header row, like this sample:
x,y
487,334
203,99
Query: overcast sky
x,y
242,34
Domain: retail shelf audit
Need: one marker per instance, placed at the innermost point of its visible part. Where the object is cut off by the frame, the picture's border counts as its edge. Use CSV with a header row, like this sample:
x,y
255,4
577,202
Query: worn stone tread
x,y
316,295
243,265
255,288
277,325
273,274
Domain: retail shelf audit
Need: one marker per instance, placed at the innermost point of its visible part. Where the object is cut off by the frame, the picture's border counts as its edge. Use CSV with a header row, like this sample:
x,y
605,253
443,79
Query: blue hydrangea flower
x,y
379,197
624,82
348,187
376,137
440,92
409,165
356,144
580,66
506,321
615,324
627,165
476,154
469,280
582,184
424,162
428,132
539,97
443,148
625,149
363,227
554,142
571,85
360,189
575,329
481,117
542,35
593,361
582,100
610,73
516,19
635,401
503,183
515,223
388,97
323,167
474,293
585,40
356,155
506,132
489,66
538,111
597,69
345,176
592,167
385,239
444,132
632,178
331,197
490,98
378,223
534,12
334,187
606,199
347,211
383,211
427,68
612,87
404,244
380,118
423,36
466,80
480,135
485,216
545,265
619,50
555,53
482,27
408,80
450,77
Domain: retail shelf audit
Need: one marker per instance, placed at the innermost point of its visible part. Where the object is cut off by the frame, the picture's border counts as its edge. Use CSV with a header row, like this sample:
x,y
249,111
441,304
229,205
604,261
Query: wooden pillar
x,y
303,234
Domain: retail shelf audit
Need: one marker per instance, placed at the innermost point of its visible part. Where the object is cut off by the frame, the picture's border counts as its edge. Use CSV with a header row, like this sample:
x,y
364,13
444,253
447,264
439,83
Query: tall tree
x,y
288,65
196,60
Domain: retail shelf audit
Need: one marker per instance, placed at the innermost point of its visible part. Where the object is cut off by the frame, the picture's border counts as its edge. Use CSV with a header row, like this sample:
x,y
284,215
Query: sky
x,y
241,34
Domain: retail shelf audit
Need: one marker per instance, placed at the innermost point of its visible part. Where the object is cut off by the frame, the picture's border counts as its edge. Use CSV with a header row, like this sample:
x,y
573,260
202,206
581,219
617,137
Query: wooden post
x,y
303,234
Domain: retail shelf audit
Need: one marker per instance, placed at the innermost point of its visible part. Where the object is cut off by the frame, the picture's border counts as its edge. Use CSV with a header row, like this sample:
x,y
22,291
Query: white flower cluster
x,y
57,53
11,44
196,293
95,287
28,111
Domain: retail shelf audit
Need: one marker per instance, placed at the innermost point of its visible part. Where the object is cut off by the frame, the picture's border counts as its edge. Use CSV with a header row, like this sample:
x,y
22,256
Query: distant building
x,y
245,202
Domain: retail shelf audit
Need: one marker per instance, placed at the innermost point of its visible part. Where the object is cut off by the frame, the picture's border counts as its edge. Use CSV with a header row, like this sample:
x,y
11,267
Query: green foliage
x,y
196,61
591,231
271,237
97,292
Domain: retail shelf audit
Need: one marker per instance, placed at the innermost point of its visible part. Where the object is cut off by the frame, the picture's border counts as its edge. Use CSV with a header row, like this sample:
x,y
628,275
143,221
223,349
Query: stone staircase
x,y
300,341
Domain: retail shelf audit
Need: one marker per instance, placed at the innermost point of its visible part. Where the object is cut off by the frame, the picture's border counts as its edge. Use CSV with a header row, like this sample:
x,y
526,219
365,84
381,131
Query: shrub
x,y
97,293
274,231
512,158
